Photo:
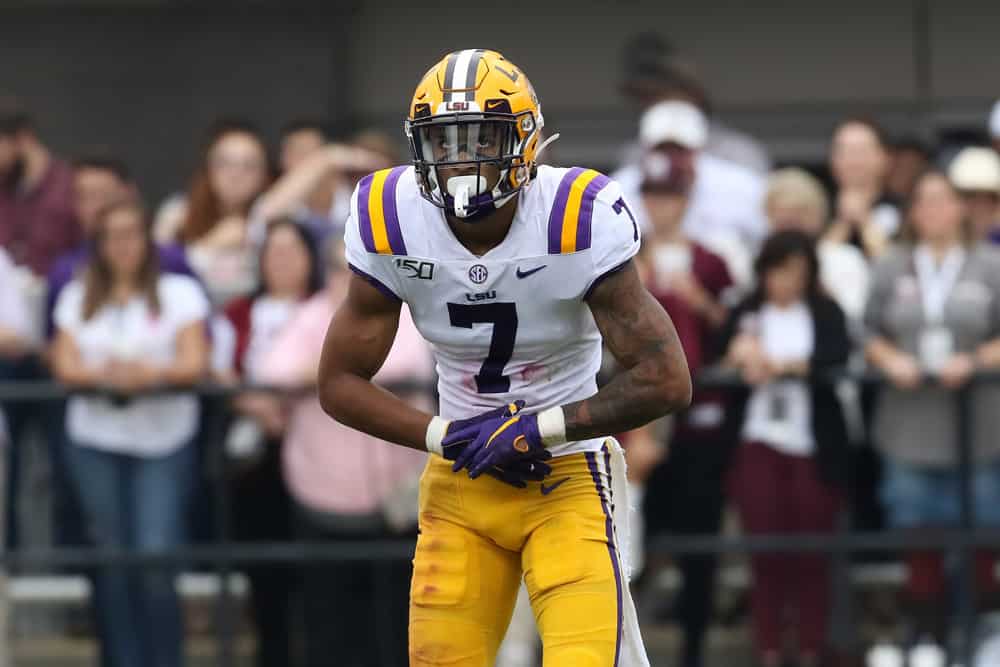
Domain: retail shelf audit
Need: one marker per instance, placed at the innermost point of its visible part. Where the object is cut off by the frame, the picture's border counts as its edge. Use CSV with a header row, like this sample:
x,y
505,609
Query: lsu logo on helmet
x,y
474,108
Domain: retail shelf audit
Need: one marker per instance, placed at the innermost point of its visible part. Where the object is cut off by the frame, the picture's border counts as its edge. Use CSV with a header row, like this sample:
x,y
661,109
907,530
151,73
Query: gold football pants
x,y
478,536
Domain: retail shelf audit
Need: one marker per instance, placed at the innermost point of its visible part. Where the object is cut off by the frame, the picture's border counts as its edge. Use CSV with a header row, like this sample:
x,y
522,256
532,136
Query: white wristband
x,y
436,431
552,426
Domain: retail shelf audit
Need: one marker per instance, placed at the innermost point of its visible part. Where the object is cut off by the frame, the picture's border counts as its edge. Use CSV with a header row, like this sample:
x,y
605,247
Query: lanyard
x,y
937,280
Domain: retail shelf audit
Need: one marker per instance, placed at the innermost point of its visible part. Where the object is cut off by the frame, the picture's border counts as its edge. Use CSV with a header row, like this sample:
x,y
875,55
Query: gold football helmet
x,y
473,109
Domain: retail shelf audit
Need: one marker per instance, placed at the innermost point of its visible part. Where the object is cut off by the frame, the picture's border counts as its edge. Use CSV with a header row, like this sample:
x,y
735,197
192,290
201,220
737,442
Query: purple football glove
x,y
500,442
461,432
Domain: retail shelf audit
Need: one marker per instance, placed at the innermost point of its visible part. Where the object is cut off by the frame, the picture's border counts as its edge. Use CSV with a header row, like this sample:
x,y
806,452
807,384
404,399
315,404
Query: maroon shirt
x,y
39,225
697,339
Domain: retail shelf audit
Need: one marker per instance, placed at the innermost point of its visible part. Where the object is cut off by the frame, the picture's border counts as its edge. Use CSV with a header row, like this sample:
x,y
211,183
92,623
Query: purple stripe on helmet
x,y
587,210
559,210
375,282
364,217
612,549
392,229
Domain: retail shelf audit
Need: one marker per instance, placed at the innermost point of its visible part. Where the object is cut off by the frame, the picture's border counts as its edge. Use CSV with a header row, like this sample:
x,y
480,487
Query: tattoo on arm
x,y
655,379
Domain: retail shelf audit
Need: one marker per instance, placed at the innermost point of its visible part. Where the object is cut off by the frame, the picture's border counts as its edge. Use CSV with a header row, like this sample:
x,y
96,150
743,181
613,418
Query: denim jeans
x,y
136,503
920,496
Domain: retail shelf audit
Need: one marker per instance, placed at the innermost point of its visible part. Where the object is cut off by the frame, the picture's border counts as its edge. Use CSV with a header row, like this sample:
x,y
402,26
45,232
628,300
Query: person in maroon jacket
x,y
36,194
684,490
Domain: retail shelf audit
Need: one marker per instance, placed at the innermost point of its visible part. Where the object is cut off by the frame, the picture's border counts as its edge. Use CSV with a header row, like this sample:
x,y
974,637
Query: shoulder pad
x,y
378,217
573,210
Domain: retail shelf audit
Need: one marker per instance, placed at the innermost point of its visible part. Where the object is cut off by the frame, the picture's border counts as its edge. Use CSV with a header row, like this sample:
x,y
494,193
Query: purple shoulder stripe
x,y
587,210
364,217
559,210
375,282
392,228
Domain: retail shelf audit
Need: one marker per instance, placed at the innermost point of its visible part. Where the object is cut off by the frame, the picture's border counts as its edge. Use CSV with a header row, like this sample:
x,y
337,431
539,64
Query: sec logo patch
x,y
478,274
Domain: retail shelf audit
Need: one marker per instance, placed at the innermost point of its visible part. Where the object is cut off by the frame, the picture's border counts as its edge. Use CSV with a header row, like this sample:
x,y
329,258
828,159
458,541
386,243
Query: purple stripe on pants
x,y
392,230
364,218
559,210
612,550
587,210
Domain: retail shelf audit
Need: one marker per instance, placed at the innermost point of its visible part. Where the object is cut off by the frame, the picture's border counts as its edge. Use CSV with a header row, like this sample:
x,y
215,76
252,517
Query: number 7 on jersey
x,y
503,317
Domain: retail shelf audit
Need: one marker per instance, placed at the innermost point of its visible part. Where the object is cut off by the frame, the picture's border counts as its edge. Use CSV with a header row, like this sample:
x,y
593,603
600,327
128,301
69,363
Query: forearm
x,y
12,344
715,314
191,363
880,352
181,374
633,398
838,232
359,403
797,368
76,374
987,355
294,188
874,240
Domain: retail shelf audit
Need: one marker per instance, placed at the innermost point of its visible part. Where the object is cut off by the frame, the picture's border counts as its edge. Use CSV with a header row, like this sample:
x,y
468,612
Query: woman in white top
x,y
793,457
125,327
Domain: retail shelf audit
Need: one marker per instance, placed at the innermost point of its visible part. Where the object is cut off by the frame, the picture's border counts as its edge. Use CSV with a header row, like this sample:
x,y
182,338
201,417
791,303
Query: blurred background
x,y
819,189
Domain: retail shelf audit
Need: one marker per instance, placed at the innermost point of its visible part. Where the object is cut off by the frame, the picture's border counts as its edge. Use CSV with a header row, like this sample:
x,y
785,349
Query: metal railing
x,y
224,555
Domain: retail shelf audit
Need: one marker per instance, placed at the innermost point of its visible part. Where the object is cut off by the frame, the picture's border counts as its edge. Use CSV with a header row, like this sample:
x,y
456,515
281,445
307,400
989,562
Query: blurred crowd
x,y
884,257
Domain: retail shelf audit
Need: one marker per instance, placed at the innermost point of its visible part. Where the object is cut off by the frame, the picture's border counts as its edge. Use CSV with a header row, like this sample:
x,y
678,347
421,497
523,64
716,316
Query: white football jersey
x,y
513,323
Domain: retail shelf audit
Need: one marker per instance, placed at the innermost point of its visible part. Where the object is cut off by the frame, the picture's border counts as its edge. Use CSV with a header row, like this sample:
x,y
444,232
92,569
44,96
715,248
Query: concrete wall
x,y
146,78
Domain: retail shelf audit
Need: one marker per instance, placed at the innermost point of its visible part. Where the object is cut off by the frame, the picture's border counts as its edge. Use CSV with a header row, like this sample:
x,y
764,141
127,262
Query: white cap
x,y
680,122
885,655
976,169
995,121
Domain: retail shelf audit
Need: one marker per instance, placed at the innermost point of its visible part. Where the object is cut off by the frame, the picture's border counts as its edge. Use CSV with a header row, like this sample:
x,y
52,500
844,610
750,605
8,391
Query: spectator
x,y
908,158
98,182
348,486
17,331
935,310
794,434
290,274
125,326
213,220
36,209
722,202
299,140
796,200
685,493
327,173
654,72
975,172
17,339
865,214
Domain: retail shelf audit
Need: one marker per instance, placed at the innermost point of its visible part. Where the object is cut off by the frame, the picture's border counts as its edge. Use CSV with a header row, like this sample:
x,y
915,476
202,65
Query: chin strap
x,y
545,144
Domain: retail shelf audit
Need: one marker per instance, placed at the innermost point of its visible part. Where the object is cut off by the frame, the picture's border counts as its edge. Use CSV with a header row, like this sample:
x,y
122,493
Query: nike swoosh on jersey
x,y
525,274
546,490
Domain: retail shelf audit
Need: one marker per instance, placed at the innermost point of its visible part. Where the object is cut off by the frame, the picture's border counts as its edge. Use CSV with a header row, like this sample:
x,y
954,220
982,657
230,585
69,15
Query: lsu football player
x,y
515,272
